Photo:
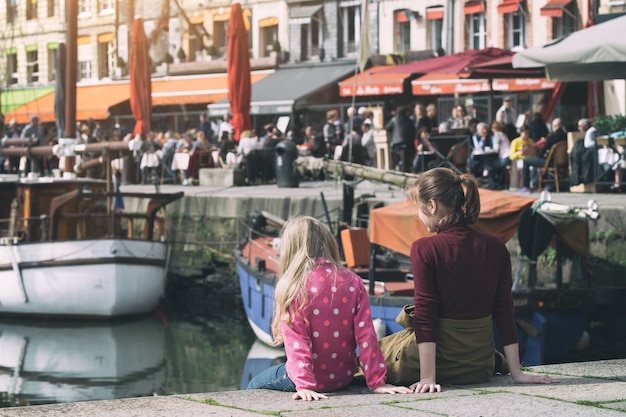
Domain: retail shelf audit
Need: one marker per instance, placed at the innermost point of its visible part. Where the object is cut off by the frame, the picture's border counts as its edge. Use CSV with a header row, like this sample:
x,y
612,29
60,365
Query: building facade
x,y
191,35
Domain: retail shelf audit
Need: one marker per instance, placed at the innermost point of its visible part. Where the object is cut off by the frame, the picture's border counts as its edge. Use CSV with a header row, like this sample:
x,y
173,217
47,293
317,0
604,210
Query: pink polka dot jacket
x,y
321,343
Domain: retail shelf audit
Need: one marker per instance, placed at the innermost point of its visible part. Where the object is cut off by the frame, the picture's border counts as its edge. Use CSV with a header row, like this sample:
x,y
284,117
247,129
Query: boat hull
x,y
86,278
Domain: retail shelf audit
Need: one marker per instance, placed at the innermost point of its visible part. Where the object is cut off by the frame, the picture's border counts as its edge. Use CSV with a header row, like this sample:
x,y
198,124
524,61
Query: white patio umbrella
x,y
592,54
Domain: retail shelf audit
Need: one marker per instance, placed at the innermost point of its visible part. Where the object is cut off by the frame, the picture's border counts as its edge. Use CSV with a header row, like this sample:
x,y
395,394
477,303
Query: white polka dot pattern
x,y
321,343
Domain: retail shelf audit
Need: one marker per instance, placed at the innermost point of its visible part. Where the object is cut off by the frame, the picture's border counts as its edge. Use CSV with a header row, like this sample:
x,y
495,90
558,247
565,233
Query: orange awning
x,y
372,82
96,100
440,83
397,226
508,6
91,101
554,8
434,13
473,7
194,90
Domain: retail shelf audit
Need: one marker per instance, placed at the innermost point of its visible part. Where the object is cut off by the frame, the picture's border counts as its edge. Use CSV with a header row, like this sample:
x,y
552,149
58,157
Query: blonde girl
x,y
321,314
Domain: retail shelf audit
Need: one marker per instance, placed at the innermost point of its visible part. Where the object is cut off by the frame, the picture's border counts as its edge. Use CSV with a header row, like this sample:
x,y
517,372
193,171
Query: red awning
x,y
372,82
447,83
522,84
434,13
554,8
473,7
508,6
441,83
455,63
501,68
401,17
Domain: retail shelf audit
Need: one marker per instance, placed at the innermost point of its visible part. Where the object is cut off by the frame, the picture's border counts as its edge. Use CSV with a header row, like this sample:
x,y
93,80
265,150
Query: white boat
x,y
64,251
68,362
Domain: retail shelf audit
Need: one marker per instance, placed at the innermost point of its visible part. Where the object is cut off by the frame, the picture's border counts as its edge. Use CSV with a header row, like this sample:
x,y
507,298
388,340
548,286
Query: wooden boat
x,y
45,362
64,250
552,314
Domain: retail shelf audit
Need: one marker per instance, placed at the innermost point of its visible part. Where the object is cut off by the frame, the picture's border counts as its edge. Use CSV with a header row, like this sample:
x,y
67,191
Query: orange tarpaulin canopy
x,y
91,101
194,90
372,82
397,226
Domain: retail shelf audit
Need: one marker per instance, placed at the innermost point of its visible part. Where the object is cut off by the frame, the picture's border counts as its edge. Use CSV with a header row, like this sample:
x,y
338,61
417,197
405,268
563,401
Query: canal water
x,y
198,341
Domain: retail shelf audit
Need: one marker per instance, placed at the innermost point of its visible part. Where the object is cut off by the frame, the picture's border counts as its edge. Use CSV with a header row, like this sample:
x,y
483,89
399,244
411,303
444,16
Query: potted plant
x,y
276,46
618,125
212,51
602,125
607,125
181,55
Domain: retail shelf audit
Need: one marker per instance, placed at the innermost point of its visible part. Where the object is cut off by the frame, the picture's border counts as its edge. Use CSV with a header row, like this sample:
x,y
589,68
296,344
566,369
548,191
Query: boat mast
x,y
71,9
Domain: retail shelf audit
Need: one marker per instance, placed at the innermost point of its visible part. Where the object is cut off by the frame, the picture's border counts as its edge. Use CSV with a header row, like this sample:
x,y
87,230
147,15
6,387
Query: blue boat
x,y
552,312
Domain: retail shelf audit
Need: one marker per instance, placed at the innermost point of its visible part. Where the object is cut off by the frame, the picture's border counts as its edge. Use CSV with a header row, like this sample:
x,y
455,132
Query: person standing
x,y
506,114
502,146
322,314
33,131
431,113
367,141
225,128
402,132
205,127
462,280
538,128
331,132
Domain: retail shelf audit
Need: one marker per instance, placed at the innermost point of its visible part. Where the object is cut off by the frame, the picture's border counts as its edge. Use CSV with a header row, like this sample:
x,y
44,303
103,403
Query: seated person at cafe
x,y
558,135
247,155
481,145
521,147
424,148
227,149
584,155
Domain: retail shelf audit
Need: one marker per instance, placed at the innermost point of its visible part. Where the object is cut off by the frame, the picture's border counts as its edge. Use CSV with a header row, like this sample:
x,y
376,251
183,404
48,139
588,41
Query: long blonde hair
x,y
304,239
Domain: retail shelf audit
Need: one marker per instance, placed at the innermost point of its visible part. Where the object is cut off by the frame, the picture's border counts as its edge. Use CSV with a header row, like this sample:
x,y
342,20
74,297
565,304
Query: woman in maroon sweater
x,y
462,281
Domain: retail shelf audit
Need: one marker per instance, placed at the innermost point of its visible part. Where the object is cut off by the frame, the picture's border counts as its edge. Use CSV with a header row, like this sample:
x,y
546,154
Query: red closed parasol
x,y
238,68
140,78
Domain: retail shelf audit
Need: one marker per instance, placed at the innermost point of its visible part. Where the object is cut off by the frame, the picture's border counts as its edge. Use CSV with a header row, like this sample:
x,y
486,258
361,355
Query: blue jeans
x,y
531,161
274,378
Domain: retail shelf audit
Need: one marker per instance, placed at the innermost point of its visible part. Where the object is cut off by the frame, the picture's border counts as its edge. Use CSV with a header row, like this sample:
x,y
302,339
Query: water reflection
x,y
260,357
197,342
43,362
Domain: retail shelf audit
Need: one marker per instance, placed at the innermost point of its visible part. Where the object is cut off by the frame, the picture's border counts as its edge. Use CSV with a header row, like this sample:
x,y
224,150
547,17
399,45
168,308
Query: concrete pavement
x,y
586,389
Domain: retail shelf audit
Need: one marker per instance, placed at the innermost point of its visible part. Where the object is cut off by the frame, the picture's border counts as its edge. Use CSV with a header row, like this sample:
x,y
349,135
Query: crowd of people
x,y
497,154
